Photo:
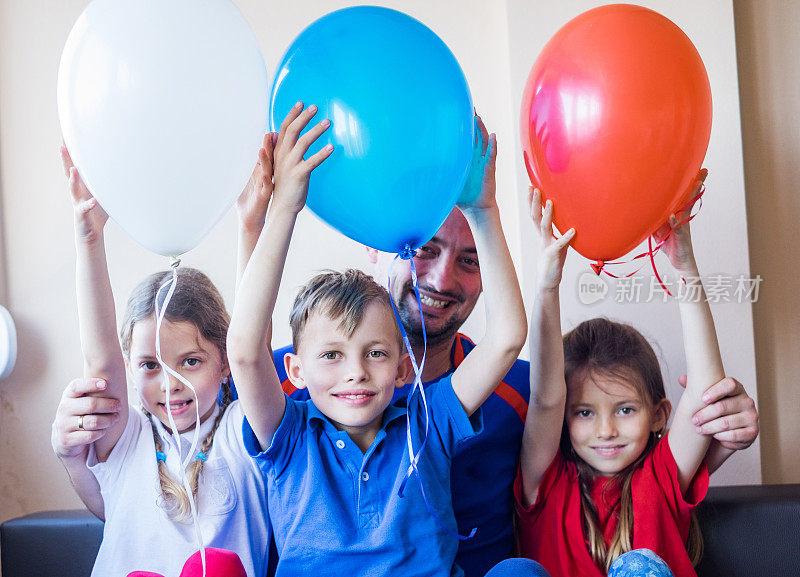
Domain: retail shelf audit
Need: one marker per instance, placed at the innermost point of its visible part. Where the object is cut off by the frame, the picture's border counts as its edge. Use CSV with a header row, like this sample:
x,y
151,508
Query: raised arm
x,y
480,372
252,369
545,417
102,354
703,359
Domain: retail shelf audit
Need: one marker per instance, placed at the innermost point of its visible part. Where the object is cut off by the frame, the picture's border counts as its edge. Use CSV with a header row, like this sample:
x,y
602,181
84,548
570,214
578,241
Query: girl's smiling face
x,y
608,421
189,354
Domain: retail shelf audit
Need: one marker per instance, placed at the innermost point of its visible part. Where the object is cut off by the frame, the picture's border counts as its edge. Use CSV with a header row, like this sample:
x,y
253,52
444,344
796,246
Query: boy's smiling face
x,y
351,379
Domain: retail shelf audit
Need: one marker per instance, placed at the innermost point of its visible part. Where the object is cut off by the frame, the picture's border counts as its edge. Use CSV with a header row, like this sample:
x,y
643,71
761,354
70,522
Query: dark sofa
x,y
750,531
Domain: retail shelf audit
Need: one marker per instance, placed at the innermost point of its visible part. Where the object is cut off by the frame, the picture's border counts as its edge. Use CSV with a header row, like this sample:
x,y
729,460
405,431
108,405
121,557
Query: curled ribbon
x,y
414,456
161,311
651,251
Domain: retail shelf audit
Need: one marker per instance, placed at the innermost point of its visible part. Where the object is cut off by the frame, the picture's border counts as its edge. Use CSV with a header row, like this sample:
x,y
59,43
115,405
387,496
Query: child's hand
x,y
90,218
479,189
678,246
82,417
553,252
291,171
254,200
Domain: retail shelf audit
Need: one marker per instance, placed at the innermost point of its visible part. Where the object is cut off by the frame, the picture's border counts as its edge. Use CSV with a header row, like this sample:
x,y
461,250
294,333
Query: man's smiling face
x,y
449,280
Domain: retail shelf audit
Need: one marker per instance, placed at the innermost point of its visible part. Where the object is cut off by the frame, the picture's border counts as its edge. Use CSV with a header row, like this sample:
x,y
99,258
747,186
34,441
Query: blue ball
x,y
402,123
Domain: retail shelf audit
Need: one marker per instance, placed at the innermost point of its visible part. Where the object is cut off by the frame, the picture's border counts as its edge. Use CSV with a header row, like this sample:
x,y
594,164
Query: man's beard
x,y
412,323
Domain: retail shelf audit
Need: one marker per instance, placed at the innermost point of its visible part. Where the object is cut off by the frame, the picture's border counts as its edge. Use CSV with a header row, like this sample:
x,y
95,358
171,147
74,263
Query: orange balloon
x,y
616,119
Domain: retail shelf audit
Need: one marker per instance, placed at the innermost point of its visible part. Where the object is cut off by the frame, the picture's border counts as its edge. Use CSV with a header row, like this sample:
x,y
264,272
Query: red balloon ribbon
x,y
599,266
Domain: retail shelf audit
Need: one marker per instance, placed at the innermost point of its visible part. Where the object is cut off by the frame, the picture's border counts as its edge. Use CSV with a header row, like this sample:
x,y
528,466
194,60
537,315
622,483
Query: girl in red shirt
x,y
598,475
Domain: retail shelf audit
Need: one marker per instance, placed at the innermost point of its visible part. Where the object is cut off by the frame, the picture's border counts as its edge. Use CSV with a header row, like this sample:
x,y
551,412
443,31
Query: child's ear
x,y
404,369
294,370
661,413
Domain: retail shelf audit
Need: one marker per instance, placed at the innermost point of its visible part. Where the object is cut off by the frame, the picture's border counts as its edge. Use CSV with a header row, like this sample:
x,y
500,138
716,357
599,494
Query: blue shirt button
x,y
365,476
340,444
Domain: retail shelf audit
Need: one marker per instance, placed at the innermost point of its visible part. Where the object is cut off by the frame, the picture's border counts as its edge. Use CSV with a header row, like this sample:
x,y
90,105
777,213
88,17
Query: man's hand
x,y
82,418
730,414
479,189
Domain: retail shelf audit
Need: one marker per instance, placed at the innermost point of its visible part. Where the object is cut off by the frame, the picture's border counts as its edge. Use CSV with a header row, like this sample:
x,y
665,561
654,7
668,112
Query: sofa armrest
x,y
50,543
750,530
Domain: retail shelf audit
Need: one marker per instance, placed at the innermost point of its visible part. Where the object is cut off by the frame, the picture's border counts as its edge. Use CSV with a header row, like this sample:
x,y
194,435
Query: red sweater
x,y
551,530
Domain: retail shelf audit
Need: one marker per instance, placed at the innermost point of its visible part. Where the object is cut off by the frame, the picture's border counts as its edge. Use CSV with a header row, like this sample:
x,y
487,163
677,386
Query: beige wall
x,y
768,45
36,217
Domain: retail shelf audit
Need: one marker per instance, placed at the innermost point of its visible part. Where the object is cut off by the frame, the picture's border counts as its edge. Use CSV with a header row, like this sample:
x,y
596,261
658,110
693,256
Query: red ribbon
x,y
600,265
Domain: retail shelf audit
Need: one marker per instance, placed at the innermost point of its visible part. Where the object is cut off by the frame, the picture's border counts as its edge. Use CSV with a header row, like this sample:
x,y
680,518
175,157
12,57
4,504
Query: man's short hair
x,y
338,295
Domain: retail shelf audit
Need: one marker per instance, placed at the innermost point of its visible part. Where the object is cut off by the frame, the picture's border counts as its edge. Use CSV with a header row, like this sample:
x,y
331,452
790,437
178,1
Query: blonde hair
x,y
339,295
615,349
196,300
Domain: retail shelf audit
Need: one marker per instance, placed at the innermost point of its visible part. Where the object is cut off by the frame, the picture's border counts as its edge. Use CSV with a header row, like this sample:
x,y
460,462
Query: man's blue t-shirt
x,y
483,467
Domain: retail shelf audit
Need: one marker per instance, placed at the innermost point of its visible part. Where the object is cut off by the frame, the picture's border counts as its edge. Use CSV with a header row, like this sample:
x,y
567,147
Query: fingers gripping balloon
x,y
615,123
402,123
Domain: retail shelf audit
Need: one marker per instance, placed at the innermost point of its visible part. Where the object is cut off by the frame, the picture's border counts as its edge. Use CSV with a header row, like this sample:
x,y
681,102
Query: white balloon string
x,y
160,313
414,457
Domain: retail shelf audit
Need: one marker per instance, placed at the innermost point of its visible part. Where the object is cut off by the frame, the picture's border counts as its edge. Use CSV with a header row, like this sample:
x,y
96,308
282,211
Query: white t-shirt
x,y
231,500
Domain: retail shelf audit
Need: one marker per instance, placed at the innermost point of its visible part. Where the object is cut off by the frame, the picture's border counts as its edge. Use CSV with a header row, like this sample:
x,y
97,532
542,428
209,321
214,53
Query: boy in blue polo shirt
x,y
335,464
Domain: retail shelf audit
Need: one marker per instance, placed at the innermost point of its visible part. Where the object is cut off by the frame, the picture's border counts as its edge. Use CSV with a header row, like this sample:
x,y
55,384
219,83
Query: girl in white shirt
x,y
134,457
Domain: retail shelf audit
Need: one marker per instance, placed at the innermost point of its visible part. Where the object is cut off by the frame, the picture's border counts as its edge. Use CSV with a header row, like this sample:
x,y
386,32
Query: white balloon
x,y
163,106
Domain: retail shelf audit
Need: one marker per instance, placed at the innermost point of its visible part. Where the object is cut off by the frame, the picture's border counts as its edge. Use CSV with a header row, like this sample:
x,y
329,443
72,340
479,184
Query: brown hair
x,y
601,346
196,300
339,295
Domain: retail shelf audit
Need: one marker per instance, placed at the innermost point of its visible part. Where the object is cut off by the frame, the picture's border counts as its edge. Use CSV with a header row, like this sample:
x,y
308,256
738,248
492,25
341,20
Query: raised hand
x,y
82,417
90,218
291,171
252,204
678,245
553,251
479,189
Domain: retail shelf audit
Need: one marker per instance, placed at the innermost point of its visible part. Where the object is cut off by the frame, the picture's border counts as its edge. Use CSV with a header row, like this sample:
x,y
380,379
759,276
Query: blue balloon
x,y
402,123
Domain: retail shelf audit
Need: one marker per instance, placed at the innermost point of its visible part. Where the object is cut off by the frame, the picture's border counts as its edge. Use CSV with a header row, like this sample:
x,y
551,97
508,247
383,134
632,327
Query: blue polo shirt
x,y
484,466
336,510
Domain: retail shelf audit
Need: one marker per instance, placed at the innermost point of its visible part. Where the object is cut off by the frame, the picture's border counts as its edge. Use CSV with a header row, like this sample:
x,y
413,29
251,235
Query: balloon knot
x,y
408,253
597,267
174,262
